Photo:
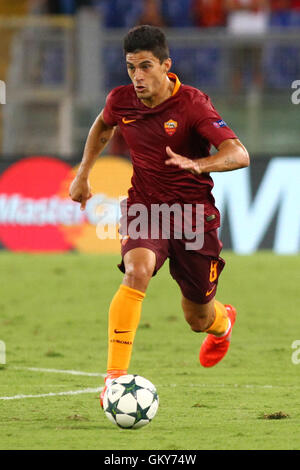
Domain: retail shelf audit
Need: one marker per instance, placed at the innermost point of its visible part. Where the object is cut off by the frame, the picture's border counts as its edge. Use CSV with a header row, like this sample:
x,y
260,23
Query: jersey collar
x,y
174,77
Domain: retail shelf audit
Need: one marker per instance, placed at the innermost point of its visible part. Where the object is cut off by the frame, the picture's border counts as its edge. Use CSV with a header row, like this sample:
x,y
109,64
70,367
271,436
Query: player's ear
x,y
168,64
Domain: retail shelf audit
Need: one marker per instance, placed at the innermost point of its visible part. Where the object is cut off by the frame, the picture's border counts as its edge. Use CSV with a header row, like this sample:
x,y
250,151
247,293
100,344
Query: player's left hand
x,y
182,162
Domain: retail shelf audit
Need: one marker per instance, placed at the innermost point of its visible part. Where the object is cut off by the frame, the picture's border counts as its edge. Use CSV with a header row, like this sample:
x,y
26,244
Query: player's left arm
x,y
231,155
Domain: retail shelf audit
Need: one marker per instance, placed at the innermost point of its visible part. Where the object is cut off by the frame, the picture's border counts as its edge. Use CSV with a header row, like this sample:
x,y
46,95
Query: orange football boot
x,y
111,375
214,348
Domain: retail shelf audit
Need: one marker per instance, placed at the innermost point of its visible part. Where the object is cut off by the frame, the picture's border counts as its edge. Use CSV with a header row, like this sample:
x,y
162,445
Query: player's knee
x,y
198,322
138,274
198,316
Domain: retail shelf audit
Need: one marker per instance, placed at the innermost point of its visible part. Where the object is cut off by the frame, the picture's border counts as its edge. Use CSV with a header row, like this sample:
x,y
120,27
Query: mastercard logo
x,y
37,214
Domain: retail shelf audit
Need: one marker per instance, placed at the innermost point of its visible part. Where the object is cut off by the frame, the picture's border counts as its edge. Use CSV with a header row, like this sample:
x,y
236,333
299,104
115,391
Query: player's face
x,y
147,74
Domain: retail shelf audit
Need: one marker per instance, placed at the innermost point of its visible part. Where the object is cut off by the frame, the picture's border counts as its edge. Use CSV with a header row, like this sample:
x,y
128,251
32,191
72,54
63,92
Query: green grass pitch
x,y
54,316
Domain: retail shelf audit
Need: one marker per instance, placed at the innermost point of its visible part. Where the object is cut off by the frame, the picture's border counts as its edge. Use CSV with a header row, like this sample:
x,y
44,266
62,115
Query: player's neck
x,y
164,93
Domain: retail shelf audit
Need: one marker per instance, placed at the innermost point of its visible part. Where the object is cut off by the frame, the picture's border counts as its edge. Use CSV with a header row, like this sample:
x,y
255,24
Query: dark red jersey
x,y
189,124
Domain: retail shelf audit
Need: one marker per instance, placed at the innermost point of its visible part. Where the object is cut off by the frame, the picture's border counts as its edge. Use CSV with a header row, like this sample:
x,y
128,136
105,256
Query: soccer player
x,y
169,128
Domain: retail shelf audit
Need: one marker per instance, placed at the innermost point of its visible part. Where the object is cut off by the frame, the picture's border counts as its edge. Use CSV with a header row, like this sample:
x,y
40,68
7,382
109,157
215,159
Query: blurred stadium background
x,y
58,61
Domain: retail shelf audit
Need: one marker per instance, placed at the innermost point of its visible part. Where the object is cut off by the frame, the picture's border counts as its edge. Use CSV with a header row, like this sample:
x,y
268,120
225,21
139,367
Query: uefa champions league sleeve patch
x,y
219,124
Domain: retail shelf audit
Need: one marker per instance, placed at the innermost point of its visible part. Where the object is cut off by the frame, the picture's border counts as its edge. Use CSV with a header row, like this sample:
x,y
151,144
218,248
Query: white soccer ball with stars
x,y
130,401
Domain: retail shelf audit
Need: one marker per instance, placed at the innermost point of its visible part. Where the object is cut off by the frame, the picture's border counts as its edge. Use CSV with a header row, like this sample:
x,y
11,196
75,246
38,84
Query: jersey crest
x,y
170,127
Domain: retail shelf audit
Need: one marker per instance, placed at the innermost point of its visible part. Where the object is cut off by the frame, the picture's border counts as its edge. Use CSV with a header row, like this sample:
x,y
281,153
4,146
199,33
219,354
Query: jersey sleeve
x,y
208,122
108,111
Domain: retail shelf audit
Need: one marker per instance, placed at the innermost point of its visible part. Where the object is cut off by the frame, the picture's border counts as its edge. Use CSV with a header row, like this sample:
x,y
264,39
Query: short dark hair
x,y
147,38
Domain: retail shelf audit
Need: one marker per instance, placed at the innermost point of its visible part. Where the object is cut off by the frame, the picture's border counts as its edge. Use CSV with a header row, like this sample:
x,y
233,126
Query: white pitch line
x,y
61,371
95,390
43,395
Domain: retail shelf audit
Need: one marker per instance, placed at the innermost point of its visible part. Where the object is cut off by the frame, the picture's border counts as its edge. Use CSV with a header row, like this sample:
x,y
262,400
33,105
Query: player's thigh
x,y
197,272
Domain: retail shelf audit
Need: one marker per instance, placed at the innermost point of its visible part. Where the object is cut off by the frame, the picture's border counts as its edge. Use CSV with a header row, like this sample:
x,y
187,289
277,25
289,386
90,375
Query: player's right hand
x,y
80,191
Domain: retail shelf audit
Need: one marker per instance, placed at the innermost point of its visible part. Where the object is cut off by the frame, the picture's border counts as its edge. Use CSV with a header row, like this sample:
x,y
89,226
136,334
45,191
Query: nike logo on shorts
x,y
121,331
208,292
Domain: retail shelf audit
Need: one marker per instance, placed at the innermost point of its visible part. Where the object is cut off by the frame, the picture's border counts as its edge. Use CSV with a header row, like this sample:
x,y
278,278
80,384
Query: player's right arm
x,y
99,135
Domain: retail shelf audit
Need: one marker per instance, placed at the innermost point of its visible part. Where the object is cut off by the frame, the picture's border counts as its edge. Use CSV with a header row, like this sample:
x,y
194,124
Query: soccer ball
x,y
130,401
